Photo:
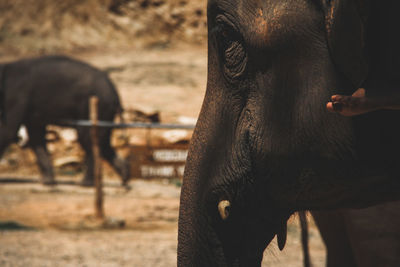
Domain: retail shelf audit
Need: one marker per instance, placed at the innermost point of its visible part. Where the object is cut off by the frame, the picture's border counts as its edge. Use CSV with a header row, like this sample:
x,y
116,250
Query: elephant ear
x,y
345,22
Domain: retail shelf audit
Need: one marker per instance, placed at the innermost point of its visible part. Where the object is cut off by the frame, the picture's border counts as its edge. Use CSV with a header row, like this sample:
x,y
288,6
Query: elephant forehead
x,y
261,20
260,25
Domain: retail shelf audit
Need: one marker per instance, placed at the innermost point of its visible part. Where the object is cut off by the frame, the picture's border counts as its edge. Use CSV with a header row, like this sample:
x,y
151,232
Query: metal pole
x,y
93,110
110,124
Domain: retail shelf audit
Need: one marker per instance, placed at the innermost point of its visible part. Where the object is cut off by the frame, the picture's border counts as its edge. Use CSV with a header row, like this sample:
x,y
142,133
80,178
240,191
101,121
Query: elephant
x,y
264,145
36,92
361,237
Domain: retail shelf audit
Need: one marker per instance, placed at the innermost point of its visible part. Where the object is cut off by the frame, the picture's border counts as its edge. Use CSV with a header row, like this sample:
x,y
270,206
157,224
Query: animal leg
x,y
120,165
86,144
334,233
7,136
37,141
9,128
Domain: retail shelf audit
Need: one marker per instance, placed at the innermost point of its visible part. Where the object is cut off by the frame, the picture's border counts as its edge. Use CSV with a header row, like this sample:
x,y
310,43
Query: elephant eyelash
x,y
225,29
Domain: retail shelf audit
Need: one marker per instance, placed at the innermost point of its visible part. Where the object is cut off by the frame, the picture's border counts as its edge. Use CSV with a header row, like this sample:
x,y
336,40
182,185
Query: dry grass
x,y
43,26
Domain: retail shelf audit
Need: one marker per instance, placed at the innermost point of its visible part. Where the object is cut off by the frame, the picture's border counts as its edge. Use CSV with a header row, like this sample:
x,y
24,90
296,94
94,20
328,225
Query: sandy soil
x,y
60,229
64,232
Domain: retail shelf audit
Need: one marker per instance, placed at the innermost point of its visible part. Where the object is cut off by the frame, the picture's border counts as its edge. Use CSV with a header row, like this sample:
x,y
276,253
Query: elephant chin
x,y
253,256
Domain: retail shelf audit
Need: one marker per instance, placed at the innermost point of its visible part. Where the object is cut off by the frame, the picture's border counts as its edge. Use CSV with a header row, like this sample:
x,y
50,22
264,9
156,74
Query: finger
x,y
337,106
329,107
336,98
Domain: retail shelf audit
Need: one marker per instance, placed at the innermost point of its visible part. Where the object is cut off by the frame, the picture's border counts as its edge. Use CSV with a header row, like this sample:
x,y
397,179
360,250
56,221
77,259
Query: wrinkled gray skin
x,y
364,237
264,140
50,90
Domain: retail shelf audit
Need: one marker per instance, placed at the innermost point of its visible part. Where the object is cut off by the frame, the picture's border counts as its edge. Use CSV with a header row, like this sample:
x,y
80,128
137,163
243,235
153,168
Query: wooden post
x,y
93,110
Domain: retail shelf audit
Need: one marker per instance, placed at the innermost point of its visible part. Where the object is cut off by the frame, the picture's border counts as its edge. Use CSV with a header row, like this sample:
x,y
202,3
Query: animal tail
x,y
304,238
2,93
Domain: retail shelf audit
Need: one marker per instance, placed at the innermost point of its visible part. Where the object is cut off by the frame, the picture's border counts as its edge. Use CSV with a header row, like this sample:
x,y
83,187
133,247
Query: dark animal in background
x,y
365,237
264,145
51,90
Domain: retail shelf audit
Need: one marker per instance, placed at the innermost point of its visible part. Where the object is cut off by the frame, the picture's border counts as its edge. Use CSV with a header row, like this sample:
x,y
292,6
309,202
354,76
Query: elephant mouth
x,y
246,246
251,254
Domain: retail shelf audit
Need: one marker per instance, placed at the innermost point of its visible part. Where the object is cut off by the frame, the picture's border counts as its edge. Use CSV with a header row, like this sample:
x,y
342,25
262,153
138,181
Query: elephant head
x,y
264,145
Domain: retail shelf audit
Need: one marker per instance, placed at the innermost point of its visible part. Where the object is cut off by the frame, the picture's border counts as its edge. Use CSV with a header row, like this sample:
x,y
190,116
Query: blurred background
x,y
155,53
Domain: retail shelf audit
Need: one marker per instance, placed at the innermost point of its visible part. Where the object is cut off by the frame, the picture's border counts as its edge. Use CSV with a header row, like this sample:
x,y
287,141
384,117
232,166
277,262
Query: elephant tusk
x,y
223,208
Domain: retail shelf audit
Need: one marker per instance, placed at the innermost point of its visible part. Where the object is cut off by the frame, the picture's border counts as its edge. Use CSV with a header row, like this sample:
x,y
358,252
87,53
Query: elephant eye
x,y
231,50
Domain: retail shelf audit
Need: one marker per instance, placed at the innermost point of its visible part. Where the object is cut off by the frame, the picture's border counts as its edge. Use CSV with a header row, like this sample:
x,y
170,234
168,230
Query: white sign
x,y
169,155
161,171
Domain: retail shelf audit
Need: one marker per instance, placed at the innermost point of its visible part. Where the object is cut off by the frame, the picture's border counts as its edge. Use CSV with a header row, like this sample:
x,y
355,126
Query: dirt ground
x,y
55,226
